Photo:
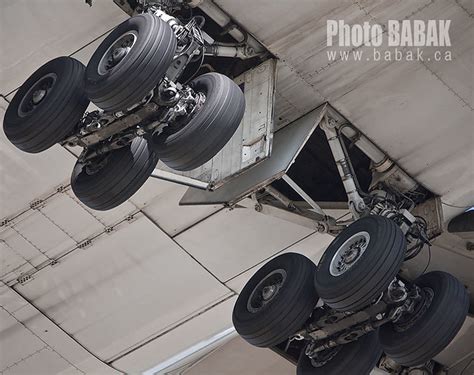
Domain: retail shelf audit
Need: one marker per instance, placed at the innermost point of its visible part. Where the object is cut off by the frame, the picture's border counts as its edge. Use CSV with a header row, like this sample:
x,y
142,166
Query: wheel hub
x,y
119,54
266,290
94,166
421,305
36,94
349,253
117,51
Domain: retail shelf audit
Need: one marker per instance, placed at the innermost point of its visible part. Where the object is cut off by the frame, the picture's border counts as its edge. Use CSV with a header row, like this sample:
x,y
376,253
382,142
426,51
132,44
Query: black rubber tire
x,y
371,274
140,70
56,116
209,129
126,171
287,312
358,357
435,329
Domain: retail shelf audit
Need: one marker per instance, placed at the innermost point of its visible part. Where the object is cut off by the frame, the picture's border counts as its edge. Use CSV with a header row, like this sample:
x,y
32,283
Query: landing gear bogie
x,y
145,112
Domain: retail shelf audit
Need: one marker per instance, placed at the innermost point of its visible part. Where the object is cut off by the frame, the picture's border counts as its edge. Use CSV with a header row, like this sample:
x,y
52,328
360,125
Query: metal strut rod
x,y
356,203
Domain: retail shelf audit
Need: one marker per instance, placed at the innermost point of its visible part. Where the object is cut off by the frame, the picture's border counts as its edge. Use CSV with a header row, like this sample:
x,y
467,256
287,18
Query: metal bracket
x,y
23,279
37,204
63,188
432,212
109,230
84,244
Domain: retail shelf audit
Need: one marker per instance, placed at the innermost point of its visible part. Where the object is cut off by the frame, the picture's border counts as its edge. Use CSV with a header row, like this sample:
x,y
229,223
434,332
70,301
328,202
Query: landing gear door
x,y
251,143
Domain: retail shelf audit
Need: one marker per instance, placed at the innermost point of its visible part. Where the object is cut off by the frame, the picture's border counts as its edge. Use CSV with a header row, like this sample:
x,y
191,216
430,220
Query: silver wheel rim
x,y
349,253
117,52
36,94
266,290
